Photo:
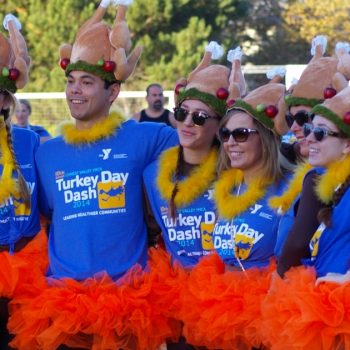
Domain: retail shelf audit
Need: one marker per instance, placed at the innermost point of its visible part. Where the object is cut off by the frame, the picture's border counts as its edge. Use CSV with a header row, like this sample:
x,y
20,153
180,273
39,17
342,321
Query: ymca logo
x,y
105,153
209,194
256,208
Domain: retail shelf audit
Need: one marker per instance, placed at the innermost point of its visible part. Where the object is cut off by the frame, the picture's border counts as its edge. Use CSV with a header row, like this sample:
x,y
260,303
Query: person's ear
x,y
114,92
346,148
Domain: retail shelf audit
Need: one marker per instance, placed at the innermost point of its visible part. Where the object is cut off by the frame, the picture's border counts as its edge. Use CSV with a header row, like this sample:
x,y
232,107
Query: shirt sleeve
x,y
165,138
296,246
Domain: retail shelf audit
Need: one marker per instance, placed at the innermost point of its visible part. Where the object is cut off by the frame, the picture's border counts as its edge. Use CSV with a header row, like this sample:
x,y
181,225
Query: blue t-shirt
x,y
17,220
252,234
330,246
38,129
189,237
94,194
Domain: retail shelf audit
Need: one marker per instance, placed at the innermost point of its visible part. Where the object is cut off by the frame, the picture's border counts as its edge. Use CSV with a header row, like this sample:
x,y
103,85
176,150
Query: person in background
x,y
23,251
22,114
94,293
155,112
309,308
180,184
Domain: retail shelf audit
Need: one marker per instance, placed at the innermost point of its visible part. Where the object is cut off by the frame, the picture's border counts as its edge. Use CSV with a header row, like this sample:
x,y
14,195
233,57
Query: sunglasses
x,y
239,134
198,118
319,132
300,118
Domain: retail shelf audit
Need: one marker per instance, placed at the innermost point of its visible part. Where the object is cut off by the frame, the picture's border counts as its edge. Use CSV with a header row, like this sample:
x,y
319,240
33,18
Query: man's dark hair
x,y
109,83
151,85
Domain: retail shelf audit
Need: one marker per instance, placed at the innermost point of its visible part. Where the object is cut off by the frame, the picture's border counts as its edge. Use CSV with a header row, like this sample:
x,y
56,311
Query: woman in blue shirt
x,y
224,295
180,185
22,257
310,308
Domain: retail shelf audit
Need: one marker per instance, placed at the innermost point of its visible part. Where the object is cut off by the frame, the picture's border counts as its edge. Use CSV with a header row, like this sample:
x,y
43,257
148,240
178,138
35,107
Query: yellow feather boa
x,y
8,185
283,202
193,185
335,175
229,205
101,129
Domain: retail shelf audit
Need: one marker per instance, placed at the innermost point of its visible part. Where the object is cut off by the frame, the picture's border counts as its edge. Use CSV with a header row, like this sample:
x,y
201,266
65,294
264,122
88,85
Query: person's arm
x,y
43,201
296,246
153,229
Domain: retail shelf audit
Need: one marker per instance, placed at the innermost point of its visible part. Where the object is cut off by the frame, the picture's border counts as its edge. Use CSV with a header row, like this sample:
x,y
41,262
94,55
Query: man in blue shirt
x,y
91,188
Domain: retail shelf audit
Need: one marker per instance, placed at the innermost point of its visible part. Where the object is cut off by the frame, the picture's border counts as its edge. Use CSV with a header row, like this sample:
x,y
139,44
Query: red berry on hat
x,y
64,63
222,93
178,87
271,111
230,102
346,118
13,74
329,92
109,66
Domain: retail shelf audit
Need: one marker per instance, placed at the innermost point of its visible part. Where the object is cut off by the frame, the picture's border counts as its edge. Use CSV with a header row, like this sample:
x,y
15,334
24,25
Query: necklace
x,y
283,202
229,205
193,185
101,129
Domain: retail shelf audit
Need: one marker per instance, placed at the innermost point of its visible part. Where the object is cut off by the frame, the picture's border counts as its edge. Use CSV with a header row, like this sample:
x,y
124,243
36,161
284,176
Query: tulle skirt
x,y
97,313
23,267
222,309
298,314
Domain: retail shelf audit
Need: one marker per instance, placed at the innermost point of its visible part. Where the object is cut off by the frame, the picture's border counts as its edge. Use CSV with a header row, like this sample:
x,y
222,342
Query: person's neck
x,y
154,113
23,125
252,174
88,124
195,156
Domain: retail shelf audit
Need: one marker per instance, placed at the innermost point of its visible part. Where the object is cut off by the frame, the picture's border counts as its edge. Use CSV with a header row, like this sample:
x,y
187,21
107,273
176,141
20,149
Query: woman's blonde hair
x,y
274,164
6,113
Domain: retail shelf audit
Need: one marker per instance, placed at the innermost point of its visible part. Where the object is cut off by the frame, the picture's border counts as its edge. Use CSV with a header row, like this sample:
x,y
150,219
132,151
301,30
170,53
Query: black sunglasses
x,y
239,134
300,118
198,118
319,132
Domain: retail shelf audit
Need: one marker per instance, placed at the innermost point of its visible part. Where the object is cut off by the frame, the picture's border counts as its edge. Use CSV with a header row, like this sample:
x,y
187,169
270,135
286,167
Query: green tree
x,y
45,29
268,39
174,34
309,18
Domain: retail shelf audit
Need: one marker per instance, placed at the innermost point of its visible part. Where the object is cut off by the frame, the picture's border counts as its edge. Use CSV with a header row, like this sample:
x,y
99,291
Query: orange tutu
x,y
23,267
168,282
97,313
222,310
298,314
